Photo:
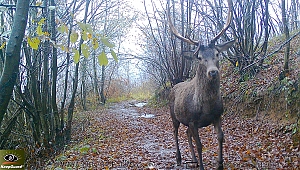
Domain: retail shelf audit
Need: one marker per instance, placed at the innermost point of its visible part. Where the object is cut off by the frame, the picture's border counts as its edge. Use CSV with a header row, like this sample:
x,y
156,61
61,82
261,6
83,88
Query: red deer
x,y
198,103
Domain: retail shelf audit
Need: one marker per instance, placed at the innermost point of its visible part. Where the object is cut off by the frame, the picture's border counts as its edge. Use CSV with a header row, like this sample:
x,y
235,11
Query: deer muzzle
x,y
214,73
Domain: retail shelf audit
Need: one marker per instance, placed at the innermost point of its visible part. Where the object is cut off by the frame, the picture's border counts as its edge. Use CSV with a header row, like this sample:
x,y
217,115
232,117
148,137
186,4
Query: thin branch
x,y
10,6
274,52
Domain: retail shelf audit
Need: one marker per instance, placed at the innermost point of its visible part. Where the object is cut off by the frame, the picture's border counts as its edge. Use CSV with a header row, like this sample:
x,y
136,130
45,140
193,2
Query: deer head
x,y
207,55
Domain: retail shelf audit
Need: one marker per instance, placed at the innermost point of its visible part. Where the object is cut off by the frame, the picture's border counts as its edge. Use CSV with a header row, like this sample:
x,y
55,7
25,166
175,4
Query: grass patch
x,y
137,94
141,95
118,99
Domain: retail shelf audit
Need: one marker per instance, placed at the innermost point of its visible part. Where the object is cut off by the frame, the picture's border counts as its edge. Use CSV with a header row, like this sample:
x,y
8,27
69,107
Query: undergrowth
x,y
267,97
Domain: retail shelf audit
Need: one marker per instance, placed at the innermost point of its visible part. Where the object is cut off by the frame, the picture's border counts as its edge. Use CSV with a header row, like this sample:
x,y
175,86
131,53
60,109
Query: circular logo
x,y
11,158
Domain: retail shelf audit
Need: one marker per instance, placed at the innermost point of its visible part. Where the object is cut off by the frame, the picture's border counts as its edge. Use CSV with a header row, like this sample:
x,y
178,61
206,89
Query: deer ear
x,y
198,52
225,46
198,56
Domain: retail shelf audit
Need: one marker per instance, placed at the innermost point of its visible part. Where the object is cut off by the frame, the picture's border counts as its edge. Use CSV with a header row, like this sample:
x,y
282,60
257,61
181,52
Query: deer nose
x,y
213,73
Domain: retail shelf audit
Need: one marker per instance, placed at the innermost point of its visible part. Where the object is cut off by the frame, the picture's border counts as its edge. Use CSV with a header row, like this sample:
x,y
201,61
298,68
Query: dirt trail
x,y
125,136
146,135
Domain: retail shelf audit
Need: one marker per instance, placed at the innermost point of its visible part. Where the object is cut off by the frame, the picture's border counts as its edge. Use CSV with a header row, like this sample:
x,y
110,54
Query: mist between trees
x,y
72,55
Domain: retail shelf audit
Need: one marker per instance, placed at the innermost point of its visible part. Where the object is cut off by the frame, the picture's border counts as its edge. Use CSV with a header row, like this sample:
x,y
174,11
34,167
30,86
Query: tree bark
x,y
67,72
11,64
83,85
103,100
96,88
46,120
75,84
287,36
54,75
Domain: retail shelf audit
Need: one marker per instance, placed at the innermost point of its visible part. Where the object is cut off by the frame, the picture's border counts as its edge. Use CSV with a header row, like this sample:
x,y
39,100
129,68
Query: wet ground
x,y
129,135
150,135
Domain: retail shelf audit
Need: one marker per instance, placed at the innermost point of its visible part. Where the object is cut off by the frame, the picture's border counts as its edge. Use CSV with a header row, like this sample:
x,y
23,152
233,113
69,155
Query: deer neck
x,y
205,88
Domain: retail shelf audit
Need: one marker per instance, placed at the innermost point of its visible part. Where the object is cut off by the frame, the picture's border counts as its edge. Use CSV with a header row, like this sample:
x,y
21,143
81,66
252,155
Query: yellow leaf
x,y
84,36
85,50
39,3
106,42
33,42
90,36
95,43
42,21
89,28
74,37
47,34
236,63
66,29
248,152
102,59
81,25
39,30
84,46
76,56
114,55
86,53
61,28
64,48
2,46
85,27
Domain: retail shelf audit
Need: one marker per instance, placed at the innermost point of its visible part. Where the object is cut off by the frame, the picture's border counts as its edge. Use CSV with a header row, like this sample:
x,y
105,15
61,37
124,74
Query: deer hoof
x,y
220,167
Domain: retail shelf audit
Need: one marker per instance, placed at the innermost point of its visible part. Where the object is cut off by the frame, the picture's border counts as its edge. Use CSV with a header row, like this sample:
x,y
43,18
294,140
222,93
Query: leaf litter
x,y
120,137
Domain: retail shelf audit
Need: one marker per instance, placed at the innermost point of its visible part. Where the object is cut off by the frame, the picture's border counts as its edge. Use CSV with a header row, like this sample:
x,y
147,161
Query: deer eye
x,y
217,55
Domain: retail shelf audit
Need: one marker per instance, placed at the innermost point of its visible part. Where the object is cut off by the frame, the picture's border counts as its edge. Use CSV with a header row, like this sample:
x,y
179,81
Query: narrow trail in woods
x,y
129,136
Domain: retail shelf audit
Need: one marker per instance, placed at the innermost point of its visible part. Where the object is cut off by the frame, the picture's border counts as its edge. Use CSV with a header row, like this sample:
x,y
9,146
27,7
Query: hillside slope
x,y
267,97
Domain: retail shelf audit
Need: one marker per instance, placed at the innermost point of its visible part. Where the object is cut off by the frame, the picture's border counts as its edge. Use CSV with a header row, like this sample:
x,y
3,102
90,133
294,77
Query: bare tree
x,y
12,56
287,36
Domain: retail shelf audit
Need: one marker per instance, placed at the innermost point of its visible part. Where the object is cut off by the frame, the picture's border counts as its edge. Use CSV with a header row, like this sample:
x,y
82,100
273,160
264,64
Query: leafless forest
x,y
60,59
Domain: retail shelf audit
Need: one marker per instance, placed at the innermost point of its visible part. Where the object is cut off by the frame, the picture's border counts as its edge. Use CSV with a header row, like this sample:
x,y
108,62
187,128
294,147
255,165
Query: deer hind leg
x,y
220,134
189,135
176,124
195,134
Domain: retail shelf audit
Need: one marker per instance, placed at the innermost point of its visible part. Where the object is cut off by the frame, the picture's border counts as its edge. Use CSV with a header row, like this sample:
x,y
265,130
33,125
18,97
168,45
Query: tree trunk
x,y
83,86
57,126
266,30
96,89
294,13
103,100
67,73
11,65
71,106
75,84
1,51
44,93
287,36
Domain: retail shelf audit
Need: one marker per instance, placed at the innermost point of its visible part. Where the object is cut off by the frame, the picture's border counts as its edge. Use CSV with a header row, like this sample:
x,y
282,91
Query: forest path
x,y
129,136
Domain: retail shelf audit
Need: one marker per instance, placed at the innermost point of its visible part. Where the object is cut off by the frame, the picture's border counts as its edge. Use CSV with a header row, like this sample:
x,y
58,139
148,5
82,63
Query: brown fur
x,y
198,103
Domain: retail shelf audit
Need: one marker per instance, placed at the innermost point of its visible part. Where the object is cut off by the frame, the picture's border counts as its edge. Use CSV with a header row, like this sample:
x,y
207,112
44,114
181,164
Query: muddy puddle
x,y
129,110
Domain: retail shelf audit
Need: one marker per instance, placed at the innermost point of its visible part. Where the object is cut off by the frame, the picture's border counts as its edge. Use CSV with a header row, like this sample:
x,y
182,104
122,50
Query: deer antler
x,y
226,26
197,43
174,30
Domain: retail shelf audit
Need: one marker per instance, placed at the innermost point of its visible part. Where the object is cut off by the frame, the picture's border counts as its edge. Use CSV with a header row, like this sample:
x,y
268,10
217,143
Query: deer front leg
x,y
189,135
178,154
218,129
195,134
